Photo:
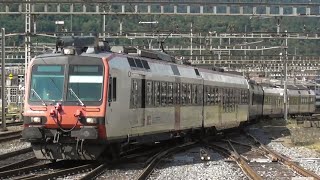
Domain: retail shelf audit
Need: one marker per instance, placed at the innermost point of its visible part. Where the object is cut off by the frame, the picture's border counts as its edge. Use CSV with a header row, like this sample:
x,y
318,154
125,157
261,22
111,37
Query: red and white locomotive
x,y
85,102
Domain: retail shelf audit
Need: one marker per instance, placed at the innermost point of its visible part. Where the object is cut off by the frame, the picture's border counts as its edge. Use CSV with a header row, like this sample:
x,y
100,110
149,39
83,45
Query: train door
x,y
137,99
299,102
229,110
116,117
177,103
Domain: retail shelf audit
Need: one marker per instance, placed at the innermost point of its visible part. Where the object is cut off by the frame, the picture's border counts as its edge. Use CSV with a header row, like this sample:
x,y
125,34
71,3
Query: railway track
x,y
32,168
49,170
7,136
258,161
15,153
284,160
153,161
15,123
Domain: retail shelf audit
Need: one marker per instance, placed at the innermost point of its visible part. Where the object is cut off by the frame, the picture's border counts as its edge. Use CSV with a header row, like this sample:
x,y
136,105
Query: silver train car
x,y
88,105
301,100
103,101
273,102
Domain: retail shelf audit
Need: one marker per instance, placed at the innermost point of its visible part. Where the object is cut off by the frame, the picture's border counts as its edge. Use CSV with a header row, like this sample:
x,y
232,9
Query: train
x,y
86,102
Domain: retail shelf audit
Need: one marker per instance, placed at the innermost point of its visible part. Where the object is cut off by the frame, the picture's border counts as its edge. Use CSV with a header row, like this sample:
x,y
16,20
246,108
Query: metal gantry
x,y
27,38
163,7
255,8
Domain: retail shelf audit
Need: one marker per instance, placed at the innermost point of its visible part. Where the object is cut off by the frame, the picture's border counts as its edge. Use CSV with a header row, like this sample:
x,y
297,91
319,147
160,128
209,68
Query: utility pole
x,y
285,95
3,82
191,41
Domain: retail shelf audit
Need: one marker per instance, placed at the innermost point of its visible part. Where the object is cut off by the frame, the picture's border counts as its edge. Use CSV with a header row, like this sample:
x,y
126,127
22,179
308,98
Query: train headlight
x,y
91,120
36,119
69,51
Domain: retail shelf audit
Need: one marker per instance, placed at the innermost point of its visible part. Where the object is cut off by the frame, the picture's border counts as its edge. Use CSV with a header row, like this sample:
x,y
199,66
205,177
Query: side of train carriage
x,y
85,105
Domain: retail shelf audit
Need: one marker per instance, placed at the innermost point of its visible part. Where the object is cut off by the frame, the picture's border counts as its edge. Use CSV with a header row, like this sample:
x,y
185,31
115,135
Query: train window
x,y
226,100
47,69
184,94
157,93
232,100
237,96
114,89
200,96
175,70
163,93
229,100
131,62
219,95
138,63
134,95
189,90
178,90
170,93
208,95
86,70
149,92
47,83
189,93
211,95
194,94
145,64
109,89
86,82
246,96
197,72
174,93
215,95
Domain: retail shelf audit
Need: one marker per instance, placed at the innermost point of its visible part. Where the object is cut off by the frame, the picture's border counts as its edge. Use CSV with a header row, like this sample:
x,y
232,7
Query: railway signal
x,y
3,114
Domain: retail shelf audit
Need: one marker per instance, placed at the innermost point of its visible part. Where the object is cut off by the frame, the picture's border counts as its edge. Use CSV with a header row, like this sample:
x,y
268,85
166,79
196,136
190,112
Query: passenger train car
x,y
85,102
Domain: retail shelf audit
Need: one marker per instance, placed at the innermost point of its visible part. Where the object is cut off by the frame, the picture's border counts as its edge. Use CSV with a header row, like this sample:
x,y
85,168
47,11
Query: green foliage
x,y
173,24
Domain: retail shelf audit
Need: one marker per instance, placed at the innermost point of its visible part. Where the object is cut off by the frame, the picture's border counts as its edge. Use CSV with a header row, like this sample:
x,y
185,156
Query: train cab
x,y
65,104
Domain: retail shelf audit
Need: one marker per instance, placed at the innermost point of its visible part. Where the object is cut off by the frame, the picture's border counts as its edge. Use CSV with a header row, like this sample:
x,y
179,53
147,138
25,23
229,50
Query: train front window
x,y
47,83
85,83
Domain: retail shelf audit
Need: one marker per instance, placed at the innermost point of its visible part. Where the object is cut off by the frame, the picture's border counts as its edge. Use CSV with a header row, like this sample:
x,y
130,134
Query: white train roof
x,y
163,68
273,90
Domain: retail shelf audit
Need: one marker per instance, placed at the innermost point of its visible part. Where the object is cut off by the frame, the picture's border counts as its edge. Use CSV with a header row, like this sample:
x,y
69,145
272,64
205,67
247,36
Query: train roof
x,y
273,90
159,62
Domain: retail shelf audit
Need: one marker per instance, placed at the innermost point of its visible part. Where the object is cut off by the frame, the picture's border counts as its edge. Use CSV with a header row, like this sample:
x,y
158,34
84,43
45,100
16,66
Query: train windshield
x,y
85,83
47,83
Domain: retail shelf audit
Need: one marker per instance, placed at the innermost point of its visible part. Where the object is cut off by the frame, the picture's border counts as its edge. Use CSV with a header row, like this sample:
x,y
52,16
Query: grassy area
x,y
315,146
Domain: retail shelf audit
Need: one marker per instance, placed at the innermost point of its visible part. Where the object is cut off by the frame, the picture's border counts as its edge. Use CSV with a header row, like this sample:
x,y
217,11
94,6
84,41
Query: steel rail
x,y
124,159
24,162
156,159
285,160
10,136
96,172
33,168
15,153
66,172
235,156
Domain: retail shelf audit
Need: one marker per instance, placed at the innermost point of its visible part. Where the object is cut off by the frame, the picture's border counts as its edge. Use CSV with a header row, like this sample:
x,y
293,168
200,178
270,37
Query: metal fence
x,y
14,96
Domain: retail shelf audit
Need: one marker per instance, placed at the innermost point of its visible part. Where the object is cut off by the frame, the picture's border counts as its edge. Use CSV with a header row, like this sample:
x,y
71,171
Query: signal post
x,y
3,82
